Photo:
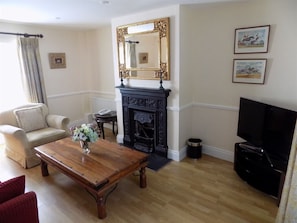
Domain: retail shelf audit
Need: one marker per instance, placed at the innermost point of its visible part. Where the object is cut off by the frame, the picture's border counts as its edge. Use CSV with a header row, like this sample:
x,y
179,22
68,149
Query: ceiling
x,y
85,14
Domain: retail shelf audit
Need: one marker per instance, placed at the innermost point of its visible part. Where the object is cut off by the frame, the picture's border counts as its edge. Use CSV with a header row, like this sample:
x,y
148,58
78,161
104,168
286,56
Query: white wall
x,y
101,60
102,90
209,43
67,89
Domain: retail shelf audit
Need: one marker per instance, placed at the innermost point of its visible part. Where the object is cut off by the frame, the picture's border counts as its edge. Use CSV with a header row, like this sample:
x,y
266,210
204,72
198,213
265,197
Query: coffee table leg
x,y
142,182
101,207
44,169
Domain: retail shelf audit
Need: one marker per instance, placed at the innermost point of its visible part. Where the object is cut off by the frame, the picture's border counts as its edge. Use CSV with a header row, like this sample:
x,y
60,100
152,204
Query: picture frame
x,y
57,60
249,71
251,39
143,58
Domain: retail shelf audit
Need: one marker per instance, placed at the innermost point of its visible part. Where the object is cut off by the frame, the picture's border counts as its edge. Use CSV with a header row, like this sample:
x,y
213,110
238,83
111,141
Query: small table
x,y
107,118
99,171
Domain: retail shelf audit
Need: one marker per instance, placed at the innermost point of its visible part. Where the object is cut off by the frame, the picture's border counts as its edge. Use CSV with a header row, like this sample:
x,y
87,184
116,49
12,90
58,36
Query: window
x,y
11,89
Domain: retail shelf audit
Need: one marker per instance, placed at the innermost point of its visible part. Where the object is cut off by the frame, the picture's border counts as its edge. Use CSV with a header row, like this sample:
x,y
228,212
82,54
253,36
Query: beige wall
x,y
210,43
74,91
208,48
102,90
101,60
65,88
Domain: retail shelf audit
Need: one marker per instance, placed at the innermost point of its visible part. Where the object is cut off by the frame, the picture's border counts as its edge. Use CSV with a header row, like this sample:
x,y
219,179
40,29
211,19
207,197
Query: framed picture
x,y
57,60
143,58
251,39
250,71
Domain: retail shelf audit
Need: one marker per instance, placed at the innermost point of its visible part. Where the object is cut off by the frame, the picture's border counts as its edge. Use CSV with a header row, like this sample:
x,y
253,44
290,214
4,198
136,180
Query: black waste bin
x,y
194,148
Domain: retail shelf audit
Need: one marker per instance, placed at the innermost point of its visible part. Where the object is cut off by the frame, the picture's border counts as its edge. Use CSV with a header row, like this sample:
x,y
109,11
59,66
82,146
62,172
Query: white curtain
x,y
287,212
11,89
32,76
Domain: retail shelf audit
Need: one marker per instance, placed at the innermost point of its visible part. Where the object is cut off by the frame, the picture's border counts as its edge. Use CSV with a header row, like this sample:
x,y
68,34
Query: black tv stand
x,y
258,150
255,167
251,147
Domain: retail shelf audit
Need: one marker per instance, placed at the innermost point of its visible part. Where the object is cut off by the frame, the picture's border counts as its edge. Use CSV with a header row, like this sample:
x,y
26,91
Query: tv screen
x,y
278,131
251,121
266,126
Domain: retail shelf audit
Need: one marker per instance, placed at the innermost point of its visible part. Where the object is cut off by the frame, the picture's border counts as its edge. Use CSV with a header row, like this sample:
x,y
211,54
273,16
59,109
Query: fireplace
x,y
145,119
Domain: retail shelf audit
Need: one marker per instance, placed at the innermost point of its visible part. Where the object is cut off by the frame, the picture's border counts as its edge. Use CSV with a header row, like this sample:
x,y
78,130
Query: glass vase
x,y
85,147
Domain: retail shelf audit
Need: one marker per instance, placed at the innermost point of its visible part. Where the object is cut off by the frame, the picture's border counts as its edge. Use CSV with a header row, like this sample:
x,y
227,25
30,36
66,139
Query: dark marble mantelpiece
x,y
152,101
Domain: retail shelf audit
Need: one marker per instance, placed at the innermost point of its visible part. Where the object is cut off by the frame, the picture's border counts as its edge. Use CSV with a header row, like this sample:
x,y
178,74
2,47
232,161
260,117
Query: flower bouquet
x,y
85,133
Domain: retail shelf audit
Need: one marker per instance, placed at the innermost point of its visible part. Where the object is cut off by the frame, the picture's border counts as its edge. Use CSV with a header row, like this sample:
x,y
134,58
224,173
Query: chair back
x,y
8,117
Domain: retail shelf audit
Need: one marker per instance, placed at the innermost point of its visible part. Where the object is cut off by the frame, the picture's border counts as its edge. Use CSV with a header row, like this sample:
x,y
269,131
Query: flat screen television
x,y
268,127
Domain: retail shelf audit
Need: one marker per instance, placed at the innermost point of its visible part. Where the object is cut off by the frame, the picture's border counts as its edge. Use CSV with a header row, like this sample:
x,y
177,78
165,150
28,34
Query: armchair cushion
x,y
16,206
12,188
30,119
43,136
20,209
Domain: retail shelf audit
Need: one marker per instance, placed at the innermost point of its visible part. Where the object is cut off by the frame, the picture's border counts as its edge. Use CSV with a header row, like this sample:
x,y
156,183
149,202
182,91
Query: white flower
x,y
86,132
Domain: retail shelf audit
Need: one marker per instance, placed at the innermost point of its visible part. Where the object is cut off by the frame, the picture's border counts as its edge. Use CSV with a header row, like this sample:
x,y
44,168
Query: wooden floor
x,y
205,190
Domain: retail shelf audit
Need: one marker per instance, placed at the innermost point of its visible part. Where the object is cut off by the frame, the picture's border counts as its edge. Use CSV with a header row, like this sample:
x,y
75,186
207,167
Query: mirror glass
x,y
143,49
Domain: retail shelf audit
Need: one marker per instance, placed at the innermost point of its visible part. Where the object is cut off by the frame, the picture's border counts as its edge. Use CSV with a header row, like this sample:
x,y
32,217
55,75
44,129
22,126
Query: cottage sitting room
x,y
222,73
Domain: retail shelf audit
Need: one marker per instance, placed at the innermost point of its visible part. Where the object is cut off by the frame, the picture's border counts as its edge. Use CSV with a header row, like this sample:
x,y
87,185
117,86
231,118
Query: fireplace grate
x,y
144,131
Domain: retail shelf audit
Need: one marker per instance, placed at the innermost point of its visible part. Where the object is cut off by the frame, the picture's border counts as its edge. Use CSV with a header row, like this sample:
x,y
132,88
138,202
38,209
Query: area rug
x,y
156,162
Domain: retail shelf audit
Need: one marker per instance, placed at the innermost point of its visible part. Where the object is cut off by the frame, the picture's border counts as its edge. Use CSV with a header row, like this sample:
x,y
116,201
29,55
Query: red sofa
x,y
15,205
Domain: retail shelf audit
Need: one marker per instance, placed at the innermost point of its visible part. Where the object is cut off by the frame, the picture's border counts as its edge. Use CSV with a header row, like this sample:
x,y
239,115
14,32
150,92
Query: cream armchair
x,y
28,126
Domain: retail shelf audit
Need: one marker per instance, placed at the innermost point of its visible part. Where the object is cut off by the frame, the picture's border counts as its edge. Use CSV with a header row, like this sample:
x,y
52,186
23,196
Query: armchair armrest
x,y
14,134
57,121
20,209
11,130
15,138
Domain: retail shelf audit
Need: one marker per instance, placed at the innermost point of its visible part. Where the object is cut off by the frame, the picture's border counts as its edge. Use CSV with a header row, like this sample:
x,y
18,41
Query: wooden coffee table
x,y
99,171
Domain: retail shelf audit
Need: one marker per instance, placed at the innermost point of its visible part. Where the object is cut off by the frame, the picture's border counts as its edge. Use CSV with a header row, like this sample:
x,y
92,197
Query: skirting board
x,y
178,155
208,150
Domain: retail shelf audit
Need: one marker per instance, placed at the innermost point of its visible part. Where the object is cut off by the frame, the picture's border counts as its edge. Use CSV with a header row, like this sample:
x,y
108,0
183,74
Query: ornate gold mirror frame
x,y
143,50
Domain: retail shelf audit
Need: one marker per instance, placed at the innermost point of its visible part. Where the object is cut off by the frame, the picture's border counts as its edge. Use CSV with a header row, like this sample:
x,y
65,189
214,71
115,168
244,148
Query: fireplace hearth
x,y
145,119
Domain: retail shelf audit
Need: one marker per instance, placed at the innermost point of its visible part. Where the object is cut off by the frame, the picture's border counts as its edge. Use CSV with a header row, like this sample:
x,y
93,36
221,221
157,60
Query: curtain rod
x,y
24,34
130,41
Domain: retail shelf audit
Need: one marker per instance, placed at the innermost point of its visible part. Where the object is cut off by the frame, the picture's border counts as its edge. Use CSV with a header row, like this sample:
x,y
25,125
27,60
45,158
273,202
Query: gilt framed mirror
x,y
143,50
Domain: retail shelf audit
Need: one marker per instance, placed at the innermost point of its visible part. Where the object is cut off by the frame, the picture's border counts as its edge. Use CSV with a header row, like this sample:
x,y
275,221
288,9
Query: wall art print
x,y
250,71
57,60
251,39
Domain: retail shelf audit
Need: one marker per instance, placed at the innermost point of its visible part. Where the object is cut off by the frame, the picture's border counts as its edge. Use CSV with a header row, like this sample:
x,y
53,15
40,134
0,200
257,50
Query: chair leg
x,y
102,130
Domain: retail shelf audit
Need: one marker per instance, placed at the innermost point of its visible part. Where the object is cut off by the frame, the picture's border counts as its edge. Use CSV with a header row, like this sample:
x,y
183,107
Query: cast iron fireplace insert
x,y
145,119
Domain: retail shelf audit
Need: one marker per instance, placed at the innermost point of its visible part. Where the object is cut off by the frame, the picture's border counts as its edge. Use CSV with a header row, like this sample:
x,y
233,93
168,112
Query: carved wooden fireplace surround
x,y
141,105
